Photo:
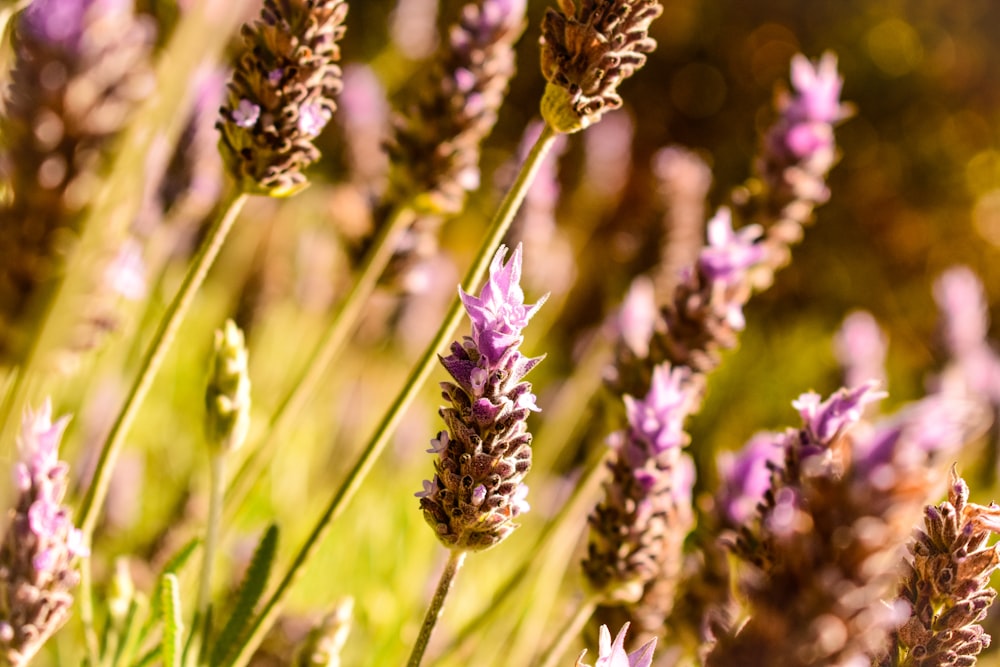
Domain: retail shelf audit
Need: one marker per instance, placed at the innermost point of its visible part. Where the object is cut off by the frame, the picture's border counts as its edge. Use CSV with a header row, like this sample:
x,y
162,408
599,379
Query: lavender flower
x,y
281,94
451,108
37,575
614,654
587,50
706,312
798,152
825,549
860,346
638,528
80,68
947,584
746,478
477,490
684,180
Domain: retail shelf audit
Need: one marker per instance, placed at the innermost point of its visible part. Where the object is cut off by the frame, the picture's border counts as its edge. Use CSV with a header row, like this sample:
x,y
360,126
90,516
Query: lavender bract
x,y
477,490
37,575
614,654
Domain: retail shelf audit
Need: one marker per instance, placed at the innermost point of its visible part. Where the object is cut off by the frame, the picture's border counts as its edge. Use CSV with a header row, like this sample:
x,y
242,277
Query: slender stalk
x,y
87,617
217,487
165,333
569,632
473,279
341,325
455,562
563,530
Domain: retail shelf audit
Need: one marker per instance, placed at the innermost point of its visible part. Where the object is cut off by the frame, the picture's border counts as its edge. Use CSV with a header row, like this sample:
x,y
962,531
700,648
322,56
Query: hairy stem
x,y
455,562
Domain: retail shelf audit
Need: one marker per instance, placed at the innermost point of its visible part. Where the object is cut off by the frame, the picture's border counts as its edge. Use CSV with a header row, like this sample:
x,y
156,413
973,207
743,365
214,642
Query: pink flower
x,y
614,655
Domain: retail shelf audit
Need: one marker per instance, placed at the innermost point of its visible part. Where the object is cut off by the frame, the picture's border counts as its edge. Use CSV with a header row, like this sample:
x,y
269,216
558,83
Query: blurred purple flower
x,y
825,420
860,346
37,573
614,655
658,420
729,254
964,315
818,90
746,476
636,318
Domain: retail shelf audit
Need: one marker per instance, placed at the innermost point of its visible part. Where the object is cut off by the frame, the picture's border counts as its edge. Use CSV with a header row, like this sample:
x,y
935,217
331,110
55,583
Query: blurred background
x,y
916,191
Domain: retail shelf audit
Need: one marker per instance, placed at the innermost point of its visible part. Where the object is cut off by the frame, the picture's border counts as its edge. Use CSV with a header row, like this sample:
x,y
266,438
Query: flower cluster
x,y
482,458
825,548
947,583
638,528
281,94
587,50
37,574
706,312
81,67
798,152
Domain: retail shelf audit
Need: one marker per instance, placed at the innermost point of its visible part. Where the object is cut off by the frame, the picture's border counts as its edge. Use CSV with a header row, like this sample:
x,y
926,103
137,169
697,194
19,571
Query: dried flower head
x,y
482,458
947,583
281,94
638,528
81,67
614,654
227,398
37,574
587,50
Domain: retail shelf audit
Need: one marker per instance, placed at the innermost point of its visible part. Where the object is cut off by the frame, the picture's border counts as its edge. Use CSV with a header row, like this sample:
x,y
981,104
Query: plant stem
x,y
165,333
501,222
341,325
569,632
217,487
455,562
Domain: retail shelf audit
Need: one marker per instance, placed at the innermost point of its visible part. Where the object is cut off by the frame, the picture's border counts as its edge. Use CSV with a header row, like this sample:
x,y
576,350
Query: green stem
x,y
437,604
172,318
217,487
87,616
341,325
569,632
473,279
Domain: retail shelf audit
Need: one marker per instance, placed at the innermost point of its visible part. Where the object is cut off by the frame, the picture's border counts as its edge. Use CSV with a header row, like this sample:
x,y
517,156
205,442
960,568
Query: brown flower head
x,y
281,94
947,583
587,50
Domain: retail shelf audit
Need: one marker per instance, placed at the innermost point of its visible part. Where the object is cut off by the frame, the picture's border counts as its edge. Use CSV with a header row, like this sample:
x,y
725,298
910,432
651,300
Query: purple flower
x,y
824,421
729,254
860,346
964,316
746,476
614,655
637,317
818,90
313,117
246,114
37,575
478,490
61,22
499,313
658,420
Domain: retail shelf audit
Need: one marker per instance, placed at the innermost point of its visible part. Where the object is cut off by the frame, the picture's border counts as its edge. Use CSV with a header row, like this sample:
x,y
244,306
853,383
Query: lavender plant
x,y
40,545
796,550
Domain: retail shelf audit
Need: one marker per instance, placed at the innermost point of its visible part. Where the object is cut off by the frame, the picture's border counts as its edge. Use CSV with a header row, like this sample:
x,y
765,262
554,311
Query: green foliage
x,y
251,589
173,624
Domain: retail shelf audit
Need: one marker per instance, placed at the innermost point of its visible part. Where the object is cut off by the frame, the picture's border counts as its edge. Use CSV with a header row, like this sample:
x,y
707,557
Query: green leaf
x,y
170,603
173,566
251,589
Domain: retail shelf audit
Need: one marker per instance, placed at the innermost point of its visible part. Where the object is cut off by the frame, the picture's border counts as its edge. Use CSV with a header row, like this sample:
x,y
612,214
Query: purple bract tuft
x,y
614,654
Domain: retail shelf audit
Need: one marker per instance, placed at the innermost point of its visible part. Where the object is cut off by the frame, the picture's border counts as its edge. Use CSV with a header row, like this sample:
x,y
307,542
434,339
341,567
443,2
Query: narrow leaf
x,y
170,603
173,566
251,589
